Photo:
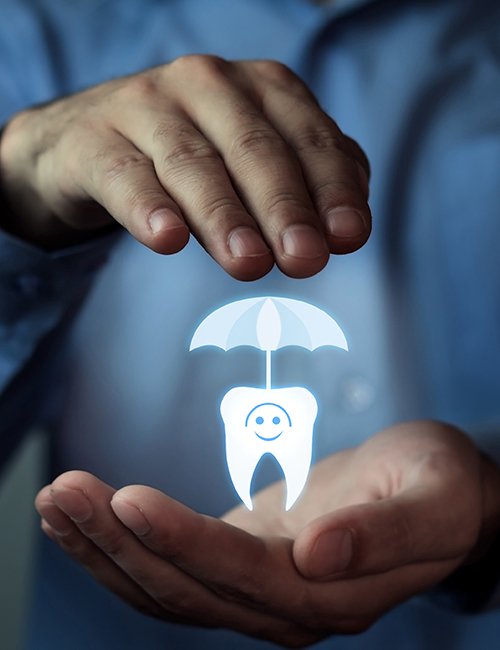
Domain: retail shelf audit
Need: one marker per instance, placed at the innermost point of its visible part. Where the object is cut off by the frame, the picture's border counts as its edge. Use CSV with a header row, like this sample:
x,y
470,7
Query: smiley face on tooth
x,y
268,421
276,421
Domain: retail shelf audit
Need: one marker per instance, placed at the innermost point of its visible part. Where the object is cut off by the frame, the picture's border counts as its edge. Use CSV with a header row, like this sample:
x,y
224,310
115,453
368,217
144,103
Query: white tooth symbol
x,y
276,421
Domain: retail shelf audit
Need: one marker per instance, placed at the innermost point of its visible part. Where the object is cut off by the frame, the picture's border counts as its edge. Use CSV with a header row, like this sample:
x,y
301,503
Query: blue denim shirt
x,y
94,339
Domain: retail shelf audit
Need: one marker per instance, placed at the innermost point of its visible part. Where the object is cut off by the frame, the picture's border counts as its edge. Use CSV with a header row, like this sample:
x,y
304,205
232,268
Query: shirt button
x,y
29,284
357,394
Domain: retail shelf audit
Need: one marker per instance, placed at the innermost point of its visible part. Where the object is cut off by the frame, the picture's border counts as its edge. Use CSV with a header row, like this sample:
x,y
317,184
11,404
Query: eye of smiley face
x,y
268,421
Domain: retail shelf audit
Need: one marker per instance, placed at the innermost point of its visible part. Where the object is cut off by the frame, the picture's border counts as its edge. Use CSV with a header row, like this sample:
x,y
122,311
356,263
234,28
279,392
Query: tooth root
x,y
284,418
296,477
241,471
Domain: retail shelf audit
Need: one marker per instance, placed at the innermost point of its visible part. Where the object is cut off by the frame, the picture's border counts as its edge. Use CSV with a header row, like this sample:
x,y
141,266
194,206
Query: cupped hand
x,y
238,153
376,525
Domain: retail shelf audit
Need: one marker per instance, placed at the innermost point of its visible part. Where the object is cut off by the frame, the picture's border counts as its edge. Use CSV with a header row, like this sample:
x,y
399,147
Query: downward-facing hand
x,y
238,153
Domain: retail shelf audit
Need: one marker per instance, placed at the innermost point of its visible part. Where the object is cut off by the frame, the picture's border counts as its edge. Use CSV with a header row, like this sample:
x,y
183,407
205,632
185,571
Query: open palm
x,y
376,525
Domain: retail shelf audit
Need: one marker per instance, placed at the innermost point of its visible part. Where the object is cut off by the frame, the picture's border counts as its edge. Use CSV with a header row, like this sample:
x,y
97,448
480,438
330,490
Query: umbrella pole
x,y
268,369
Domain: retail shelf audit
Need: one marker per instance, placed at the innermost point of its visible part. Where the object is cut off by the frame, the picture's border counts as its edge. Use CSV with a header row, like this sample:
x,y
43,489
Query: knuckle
x,y
283,202
12,135
205,66
143,200
319,140
336,192
255,144
219,211
276,72
115,167
139,87
171,130
188,151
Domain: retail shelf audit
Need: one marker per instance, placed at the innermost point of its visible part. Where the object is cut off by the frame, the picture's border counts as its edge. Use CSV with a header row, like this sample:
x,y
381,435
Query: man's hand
x,y
376,525
238,153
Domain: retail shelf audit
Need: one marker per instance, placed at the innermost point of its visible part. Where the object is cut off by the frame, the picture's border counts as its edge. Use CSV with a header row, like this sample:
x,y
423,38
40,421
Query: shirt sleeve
x,y
39,292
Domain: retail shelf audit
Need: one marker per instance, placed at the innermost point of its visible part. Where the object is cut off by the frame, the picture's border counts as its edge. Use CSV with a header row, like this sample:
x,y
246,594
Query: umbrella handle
x,y
268,369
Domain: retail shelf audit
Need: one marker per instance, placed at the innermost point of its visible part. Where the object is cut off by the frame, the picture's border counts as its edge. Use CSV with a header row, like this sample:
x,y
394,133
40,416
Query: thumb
x,y
383,535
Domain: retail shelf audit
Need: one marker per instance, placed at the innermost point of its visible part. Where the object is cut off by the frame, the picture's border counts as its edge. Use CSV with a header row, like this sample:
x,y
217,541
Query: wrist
x,y
22,212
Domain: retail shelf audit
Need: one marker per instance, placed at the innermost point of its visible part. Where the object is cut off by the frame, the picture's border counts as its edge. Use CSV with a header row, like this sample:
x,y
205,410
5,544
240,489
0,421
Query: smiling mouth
x,y
268,439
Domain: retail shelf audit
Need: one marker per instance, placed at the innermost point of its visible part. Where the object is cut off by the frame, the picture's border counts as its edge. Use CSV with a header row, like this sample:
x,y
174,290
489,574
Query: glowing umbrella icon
x,y
268,323
275,421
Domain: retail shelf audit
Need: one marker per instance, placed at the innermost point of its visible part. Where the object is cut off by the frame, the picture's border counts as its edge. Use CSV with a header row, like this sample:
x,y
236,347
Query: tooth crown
x,y
278,421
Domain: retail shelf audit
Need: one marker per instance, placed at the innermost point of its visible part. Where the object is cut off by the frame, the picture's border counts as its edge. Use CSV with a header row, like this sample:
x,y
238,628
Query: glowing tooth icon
x,y
276,421
279,422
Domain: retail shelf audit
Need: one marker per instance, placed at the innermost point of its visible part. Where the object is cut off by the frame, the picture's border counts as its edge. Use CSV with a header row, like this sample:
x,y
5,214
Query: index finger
x,y
239,566
177,595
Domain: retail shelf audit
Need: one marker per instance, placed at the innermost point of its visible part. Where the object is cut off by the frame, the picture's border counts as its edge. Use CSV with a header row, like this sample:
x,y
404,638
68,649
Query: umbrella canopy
x,y
268,323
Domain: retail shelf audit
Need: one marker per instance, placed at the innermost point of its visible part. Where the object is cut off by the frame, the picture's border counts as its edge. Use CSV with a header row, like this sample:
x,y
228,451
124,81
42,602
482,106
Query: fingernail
x,y
345,223
331,554
246,242
73,502
164,219
303,241
131,516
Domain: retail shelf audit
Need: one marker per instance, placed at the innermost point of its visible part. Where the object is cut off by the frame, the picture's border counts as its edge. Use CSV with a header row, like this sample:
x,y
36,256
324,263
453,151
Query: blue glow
x,y
269,323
